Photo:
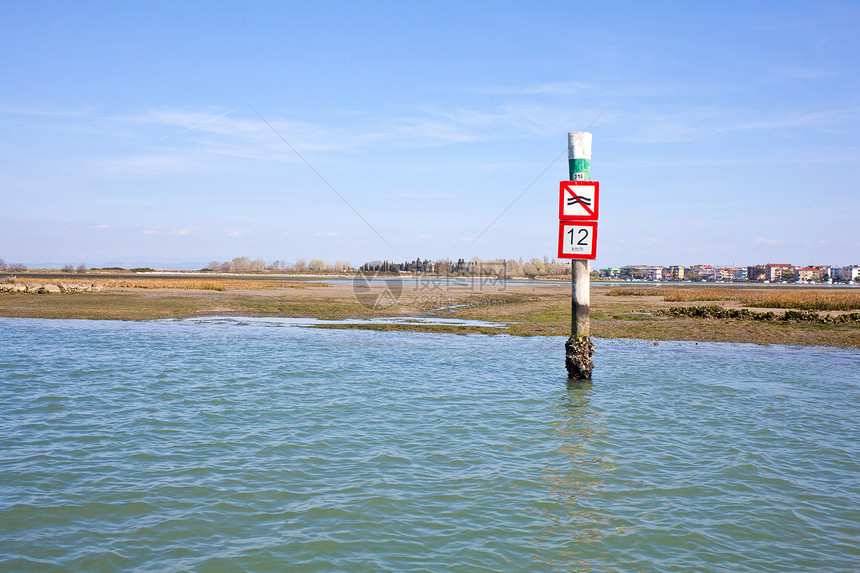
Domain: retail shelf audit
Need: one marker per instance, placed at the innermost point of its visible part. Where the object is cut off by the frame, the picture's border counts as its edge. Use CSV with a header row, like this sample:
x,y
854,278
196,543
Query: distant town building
x,y
806,274
634,271
654,274
703,272
774,272
846,274
756,273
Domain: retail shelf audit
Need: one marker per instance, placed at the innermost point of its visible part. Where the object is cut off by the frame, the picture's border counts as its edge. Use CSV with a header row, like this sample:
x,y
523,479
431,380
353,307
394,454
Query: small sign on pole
x,y
577,239
578,200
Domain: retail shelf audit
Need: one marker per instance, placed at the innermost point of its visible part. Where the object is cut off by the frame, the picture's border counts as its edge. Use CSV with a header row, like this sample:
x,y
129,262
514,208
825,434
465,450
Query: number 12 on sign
x,y
577,240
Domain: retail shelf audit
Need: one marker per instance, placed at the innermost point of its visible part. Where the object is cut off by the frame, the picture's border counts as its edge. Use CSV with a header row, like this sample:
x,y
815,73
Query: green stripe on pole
x,y
580,169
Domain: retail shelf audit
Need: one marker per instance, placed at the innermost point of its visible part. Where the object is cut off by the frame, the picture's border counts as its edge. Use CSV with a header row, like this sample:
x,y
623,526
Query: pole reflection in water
x,y
577,504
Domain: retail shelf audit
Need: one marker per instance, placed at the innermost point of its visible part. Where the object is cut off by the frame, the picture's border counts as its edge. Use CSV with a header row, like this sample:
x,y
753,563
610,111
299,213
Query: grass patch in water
x,y
630,316
416,327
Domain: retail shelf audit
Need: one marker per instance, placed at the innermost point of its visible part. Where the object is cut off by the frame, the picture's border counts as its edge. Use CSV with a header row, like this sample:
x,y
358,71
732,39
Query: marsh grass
x,y
820,299
792,298
325,309
633,291
191,284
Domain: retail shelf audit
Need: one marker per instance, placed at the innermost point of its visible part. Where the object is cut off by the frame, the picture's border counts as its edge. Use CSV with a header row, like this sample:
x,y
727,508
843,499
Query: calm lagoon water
x,y
255,445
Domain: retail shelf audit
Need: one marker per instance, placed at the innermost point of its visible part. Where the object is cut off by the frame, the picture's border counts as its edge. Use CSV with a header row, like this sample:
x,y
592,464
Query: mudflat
x,y
817,316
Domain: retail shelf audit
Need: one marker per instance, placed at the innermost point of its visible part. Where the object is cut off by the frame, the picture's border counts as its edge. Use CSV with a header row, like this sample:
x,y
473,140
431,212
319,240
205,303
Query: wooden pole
x,y
579,348
581,299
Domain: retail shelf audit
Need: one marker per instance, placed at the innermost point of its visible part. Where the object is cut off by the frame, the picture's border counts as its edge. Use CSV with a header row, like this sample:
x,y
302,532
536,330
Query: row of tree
x,y
473,267
14,267
244,264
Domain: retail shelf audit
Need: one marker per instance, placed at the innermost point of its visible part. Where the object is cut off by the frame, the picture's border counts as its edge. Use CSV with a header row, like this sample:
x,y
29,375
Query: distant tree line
x,y
14,267
473,267
246,265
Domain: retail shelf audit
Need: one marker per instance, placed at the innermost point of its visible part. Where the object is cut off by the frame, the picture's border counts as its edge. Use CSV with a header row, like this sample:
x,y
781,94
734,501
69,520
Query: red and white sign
x,y
577,239
578,200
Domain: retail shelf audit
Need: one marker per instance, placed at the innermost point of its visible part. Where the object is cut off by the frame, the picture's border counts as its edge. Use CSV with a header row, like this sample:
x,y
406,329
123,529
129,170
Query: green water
x,y
254,445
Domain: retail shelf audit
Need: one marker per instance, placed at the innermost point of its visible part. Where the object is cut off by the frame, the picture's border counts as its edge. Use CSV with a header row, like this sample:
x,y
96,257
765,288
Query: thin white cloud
x,y
550,88
686,123
245,133
769,242
605,89
11,110
665,112
174,141
186,231
818,120
250,137
155,164
806,73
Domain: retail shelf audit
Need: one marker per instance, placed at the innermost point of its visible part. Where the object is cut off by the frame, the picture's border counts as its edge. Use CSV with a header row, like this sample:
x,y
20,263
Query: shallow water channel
x,y
257,445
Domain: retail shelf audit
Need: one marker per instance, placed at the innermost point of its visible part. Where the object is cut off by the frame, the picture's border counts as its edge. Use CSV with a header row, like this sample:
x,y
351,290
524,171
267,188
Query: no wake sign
x,y
578,200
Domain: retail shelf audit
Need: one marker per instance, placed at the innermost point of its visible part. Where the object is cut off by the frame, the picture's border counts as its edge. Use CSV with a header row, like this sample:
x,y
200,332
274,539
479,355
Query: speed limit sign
x,y
577,239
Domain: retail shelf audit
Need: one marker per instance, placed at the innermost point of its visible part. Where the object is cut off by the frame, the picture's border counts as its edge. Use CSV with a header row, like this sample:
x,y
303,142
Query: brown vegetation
x,y
798,298
216,284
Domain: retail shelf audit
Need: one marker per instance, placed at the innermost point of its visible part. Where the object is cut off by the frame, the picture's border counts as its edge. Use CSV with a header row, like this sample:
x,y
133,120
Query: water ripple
x,y
242,445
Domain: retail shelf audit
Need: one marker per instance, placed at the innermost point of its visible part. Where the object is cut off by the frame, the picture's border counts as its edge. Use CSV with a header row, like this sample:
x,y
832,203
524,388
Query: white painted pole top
x,y
579,145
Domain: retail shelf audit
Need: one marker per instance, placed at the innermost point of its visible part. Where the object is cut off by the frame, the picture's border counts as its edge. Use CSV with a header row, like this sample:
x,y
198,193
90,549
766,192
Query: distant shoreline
x,y
303,276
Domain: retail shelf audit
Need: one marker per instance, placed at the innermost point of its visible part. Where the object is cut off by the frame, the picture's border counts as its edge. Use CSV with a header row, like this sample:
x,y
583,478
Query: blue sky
x,y
139,133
